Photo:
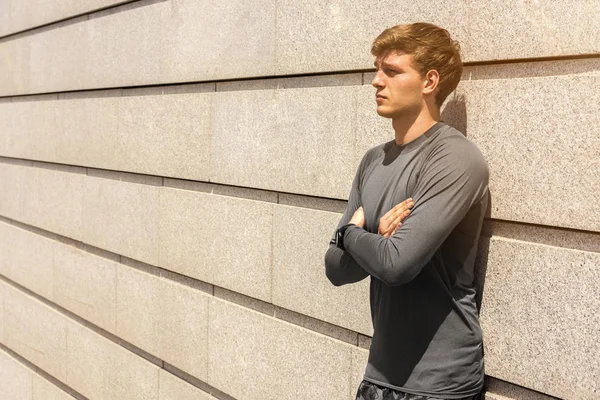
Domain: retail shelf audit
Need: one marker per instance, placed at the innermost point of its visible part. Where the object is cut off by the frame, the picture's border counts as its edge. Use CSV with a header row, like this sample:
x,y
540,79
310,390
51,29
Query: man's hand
x,y
358,218
392,220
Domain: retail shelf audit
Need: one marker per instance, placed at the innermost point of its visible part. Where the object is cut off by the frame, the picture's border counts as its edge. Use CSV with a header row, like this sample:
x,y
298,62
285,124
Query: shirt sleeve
x,y
452,180
340,266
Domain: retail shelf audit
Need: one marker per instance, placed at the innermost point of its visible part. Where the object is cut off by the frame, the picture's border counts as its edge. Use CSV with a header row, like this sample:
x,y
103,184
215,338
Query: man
x,y
427,343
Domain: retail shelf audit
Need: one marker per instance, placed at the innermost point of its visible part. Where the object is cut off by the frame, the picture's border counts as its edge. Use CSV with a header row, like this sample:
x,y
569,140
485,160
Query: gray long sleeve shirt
x,y
427,338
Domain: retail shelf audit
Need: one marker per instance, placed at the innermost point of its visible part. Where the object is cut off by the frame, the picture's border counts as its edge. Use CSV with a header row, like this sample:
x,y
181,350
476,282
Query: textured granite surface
x,y
94,360
85,285
122,217
164,318
539,136
281,140
252,355
173,388
539,317
16,15
35,332
15,379
537,29
31,269
301,238
222,240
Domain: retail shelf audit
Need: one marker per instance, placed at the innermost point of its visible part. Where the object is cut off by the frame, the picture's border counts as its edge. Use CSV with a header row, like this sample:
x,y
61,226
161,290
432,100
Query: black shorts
x,y
371,391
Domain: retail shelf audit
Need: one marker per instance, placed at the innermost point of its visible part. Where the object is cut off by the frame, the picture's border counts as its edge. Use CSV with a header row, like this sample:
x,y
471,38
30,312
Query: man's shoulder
x,y
452,144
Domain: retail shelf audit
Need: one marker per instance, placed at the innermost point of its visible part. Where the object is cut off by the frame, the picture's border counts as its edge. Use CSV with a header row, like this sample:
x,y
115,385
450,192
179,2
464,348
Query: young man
x,y
420,254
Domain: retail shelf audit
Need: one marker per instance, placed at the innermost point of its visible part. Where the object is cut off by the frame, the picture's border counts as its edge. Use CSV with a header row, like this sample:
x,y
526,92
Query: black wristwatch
x,y
339,236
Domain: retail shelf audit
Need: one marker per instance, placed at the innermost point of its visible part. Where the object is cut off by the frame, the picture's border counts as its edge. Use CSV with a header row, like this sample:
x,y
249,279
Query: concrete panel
x,y
31,126
31,269
54,201
101,369
15,379
300,240
48,199
283,139
10,186
537,127
536,29
127,48
254,356
17,15
542,332
222,240
173,388
87,129
166,135
164,318
35,332
193,43
315,36
44,390
220,40
85,284
121,217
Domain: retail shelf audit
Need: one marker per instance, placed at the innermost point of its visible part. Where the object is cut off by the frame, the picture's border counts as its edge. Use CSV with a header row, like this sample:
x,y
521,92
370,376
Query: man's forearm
x,y
341,268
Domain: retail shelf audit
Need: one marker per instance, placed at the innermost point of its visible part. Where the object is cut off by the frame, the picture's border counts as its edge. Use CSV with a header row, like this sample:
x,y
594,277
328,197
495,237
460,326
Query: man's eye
x,y
390,71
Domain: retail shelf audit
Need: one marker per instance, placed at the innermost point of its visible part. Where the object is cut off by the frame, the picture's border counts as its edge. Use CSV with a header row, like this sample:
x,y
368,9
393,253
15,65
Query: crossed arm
x,y
443,196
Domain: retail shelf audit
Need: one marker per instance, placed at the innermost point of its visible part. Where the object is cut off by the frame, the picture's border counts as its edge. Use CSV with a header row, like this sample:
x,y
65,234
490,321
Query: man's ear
x,y
431,81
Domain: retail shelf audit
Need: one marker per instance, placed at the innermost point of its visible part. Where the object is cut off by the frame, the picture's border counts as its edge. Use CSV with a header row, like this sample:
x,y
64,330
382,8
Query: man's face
x,y
399,86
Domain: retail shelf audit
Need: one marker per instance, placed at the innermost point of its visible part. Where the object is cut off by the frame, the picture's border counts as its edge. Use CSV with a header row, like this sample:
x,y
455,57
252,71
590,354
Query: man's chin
x,y
382,112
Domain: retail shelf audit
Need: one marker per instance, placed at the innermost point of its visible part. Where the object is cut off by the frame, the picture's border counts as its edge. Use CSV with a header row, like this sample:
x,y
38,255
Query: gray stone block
x,y
253,356
122,217
536,29
15,379
205,37
222,240
94,360
301,238
164,318
31,269
35,332
44,390
539,317
86,285
283,141
16,16
540,139
173,388
166,135
315,36
315,325
51,200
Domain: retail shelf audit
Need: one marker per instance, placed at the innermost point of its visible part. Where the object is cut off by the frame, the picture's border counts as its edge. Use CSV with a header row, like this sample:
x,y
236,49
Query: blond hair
x,y
431,47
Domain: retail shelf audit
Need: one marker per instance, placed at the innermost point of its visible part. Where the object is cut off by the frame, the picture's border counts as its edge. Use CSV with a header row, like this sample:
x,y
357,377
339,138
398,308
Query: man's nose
x,y
377,81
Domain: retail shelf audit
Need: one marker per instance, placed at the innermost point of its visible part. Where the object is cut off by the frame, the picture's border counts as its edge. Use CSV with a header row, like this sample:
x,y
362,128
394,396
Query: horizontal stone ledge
x,y
18,16
19,379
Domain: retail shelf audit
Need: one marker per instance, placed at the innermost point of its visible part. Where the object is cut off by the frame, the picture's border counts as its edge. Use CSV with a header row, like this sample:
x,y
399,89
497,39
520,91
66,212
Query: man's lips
x,y
380,97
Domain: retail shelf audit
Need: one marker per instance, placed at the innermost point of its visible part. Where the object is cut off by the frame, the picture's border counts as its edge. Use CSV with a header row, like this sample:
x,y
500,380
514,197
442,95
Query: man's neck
x,y
407,130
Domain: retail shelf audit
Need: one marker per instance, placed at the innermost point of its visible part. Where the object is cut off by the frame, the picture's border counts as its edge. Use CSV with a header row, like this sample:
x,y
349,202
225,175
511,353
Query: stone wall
x,y
171,172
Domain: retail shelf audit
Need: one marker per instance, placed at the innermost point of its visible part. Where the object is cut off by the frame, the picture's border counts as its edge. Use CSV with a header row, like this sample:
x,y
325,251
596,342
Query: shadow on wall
x,y
483,250
455,113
